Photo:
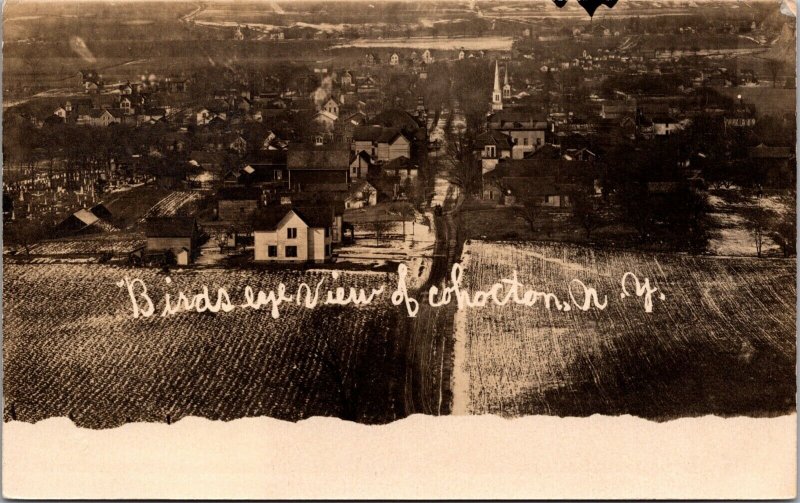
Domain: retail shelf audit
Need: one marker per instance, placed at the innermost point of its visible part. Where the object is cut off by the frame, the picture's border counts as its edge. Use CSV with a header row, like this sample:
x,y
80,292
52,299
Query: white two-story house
x,y
490,147
285,233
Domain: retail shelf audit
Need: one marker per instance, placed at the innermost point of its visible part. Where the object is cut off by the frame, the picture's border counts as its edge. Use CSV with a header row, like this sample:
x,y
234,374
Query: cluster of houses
x,y
544,153
292,153
306,182
148,101
310,184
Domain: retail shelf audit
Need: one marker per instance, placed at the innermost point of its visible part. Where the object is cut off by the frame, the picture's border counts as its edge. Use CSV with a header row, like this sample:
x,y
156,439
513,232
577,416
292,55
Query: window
x,y
525,141
327,232
538,141
291,251
490,151
278,174
291,233
272,251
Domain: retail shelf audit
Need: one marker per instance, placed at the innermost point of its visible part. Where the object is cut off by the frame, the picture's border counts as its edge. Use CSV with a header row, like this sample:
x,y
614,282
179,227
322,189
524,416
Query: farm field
x,y
721,342
130,206
178,203
114,243
72,348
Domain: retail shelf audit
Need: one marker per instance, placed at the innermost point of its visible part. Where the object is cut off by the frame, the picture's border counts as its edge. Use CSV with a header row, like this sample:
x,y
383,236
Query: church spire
x,y
497,95
506,86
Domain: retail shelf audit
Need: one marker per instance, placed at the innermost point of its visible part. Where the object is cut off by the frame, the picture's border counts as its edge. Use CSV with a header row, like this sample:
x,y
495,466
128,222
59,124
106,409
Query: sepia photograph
x,y
370,210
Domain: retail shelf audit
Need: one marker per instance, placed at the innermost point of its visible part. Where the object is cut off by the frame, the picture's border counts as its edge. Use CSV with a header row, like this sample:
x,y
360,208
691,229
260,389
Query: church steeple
x,y
506,87
497,96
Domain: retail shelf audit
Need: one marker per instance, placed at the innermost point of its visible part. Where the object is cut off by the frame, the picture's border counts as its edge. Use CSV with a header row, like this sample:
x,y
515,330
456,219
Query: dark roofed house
x,y
402,168
312,164
235,203
360,164
83,221
396,118
775,165
490,146
265,167
178,235
334,200
382,143
550,182
210,161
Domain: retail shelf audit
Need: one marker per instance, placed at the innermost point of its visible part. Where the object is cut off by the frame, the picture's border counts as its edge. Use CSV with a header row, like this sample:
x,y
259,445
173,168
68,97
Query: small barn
x,y
177,235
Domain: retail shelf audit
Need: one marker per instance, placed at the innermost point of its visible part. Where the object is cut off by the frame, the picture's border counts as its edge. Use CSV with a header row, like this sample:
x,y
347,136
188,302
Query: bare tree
x,y
585,212
530,210
380,228
785,234
405,211
759,222
25,233
466,169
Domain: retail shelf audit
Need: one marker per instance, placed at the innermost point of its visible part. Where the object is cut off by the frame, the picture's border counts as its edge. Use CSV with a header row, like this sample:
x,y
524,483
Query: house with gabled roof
x,y
526,130
371,59
84,221
382,143
102,117
177,235
331,106
547,182
360,164
360,194
775,165
287,233
401,168
310,164
491,146
324,120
